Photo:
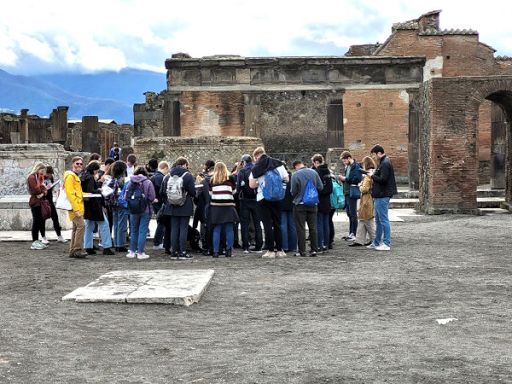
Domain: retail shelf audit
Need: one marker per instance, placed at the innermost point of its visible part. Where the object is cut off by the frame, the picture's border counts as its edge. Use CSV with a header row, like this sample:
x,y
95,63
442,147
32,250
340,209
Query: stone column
x,y
59,118
413,136
252,111
24,124
90,129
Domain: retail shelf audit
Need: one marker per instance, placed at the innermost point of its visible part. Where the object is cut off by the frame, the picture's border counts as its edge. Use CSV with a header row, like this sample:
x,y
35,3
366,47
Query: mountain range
x,y
108,95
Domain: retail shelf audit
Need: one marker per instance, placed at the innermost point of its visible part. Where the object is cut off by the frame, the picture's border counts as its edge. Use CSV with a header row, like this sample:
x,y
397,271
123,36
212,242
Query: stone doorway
x,y
448,160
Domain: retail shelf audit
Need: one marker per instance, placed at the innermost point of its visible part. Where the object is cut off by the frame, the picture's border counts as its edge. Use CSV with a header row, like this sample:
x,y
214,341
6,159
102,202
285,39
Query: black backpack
x,y
246,192
137,202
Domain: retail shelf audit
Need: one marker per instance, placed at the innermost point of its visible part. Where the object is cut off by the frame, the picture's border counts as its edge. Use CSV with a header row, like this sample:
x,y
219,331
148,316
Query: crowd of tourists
x,y
208,212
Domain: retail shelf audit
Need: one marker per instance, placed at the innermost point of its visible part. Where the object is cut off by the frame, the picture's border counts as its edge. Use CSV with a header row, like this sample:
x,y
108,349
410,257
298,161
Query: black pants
x,y
270,212
249,213
166,222
55,219
351,208
303,214
37,222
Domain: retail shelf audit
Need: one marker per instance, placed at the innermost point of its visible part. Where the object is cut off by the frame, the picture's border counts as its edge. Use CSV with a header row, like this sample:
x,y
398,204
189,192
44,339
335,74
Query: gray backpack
x,y
176,195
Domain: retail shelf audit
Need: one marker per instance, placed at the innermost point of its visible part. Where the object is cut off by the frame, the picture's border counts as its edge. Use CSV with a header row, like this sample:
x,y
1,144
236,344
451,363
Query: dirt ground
x,y
349,316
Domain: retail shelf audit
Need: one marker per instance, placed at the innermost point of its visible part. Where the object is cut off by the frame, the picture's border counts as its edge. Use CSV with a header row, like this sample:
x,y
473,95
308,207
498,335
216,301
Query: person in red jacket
x,y
38,191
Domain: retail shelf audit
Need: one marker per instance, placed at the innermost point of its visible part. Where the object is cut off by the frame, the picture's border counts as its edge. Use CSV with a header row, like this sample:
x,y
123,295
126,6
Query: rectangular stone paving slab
x,y
165,286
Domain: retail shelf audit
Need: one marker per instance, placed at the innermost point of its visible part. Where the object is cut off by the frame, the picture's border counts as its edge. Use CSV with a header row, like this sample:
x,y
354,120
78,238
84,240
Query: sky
x,y
54,36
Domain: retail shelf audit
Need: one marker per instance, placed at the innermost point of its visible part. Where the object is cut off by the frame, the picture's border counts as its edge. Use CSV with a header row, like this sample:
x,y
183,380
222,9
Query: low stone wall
x,y
17,161
15,215
197,150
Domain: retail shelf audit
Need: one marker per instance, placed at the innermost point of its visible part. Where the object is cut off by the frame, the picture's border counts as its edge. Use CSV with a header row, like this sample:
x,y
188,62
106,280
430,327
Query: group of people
x,y
112,196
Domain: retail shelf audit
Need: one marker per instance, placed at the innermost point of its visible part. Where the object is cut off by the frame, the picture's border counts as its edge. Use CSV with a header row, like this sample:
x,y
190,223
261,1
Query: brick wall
x,y
377,116
212,113
484,141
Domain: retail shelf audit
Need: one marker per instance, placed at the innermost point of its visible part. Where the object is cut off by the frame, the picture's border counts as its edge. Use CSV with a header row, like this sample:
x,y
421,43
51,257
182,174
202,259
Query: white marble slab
x,y
166,286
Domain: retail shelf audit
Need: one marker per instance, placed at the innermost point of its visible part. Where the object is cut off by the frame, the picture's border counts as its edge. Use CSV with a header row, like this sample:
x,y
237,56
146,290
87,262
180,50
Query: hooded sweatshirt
x,y
147,188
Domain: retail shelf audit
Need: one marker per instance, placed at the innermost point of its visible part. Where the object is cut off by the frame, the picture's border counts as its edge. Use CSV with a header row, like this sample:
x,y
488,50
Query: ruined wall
x,y
212,113
294,123
377,116
484,142
196,149
148,117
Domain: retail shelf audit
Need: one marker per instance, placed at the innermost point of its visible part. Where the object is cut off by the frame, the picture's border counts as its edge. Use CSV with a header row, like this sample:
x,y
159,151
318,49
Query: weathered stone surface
x,y
165,286
196,149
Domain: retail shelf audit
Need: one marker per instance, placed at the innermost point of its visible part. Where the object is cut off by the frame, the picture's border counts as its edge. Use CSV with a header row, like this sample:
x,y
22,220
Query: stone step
x,y
404,193
482,202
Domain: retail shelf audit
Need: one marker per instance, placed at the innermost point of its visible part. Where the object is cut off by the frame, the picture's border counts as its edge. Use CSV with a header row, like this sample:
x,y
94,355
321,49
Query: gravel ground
x,y
347,316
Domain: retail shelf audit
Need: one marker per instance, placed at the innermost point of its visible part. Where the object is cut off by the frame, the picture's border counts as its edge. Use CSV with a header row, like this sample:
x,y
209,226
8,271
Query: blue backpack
x,y
273,186
121,200
137,202
337,196
310,196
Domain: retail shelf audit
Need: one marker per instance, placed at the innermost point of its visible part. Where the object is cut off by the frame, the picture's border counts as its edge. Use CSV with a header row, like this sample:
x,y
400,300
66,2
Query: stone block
x,y
165,286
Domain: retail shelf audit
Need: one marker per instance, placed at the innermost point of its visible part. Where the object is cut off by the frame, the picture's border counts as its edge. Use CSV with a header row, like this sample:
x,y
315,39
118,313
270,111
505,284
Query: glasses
x,y
79,163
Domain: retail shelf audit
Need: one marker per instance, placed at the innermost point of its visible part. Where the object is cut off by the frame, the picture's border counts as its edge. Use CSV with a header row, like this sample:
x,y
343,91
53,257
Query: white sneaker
x,y
60,239
142,256
131,255
246,251
280,254
269,255
158,247
383,247
37,245
371,246
44,241
351,237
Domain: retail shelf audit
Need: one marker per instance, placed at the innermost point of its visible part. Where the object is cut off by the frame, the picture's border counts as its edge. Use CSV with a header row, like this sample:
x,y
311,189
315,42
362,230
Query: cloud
x,y
98,35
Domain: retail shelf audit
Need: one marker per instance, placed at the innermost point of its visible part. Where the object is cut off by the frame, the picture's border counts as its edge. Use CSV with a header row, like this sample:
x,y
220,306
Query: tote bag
x,y
62,200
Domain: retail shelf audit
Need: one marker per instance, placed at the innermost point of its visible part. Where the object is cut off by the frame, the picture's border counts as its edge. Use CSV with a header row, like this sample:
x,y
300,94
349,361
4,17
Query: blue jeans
x,y
383,228
179,233
120,216
322,227
230,236
288,231
139,225
351,209
103,229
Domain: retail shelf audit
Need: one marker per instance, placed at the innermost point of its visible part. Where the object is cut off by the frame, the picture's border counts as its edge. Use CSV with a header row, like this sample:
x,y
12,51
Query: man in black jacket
x,y
157,180
384,187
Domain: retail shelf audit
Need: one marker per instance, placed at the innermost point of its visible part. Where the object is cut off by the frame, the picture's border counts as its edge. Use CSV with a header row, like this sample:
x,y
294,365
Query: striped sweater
x,y
222,194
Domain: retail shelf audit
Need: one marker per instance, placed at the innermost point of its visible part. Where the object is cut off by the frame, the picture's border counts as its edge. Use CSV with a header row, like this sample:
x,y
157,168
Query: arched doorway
x,y
448,160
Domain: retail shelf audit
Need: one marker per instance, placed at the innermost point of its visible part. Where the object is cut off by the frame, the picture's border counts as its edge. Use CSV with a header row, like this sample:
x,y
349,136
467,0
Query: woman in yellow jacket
x,y
365,214
73,189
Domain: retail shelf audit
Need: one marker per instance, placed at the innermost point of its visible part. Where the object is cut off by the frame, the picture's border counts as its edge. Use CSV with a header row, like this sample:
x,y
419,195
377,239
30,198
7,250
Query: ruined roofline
x,y
433,32
414,23
290,61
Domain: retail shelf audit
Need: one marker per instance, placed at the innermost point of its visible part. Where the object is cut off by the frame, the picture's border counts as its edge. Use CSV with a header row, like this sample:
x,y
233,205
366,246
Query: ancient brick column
x,y
90,129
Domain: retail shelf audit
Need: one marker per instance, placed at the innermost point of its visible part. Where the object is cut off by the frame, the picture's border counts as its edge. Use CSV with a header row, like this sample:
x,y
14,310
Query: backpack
x,y
137,202
337,196
112,200
272,187
176,195
310,196
121,200
246,191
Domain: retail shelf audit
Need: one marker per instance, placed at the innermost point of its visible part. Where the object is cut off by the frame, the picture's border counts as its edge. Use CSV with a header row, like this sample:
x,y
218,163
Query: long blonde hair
x,y
220,173
37,167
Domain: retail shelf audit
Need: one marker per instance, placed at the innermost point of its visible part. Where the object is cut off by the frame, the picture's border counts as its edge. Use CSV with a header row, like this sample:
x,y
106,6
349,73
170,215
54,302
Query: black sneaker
x,y
325,249
108,251
184,256
215,254
174,255
354,244
228,252
90,251
122,249
312,254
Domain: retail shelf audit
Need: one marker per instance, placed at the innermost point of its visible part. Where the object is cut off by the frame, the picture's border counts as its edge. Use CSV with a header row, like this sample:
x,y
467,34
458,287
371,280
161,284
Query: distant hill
x,y
108,95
